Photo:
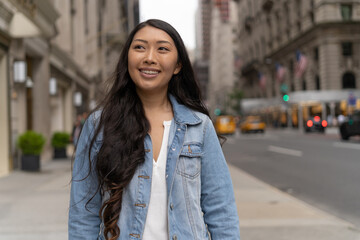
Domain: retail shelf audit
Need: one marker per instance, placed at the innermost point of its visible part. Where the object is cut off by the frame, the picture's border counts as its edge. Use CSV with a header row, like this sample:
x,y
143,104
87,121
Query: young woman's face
x,y
152,60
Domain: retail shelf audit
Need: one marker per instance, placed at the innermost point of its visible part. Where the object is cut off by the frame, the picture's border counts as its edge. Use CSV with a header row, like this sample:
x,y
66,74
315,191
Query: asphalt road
x,y
316,168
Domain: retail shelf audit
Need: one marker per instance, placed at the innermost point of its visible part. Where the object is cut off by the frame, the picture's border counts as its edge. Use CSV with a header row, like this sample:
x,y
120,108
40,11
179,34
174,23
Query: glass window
x,y
317,82
304,85
316,53
346,48
86,16
346,11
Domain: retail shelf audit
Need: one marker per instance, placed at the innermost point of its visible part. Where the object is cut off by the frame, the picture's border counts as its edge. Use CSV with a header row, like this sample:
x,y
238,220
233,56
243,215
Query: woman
x,y
149,164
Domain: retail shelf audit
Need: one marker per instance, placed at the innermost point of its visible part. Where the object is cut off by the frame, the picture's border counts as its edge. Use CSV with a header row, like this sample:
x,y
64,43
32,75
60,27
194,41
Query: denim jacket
x,y
200,193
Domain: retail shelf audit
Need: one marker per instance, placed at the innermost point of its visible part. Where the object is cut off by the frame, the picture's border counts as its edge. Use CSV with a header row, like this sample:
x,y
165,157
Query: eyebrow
x,y
160,41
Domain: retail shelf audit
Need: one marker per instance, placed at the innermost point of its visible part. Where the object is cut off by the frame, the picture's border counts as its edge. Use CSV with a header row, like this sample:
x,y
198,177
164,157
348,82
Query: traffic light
x,y
286,98
217,111
284,90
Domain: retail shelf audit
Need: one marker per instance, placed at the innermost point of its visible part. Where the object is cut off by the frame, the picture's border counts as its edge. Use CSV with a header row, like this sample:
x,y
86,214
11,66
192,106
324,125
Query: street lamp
x,y
52,86
20,71
77,99
29,83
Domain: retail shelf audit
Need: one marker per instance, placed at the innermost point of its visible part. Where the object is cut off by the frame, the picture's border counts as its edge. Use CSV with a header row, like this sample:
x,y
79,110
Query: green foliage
x,y
235,100
60,139
31,143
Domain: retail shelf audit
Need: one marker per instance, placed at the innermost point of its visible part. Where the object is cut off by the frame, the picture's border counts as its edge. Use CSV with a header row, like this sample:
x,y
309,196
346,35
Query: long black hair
x,y
124,125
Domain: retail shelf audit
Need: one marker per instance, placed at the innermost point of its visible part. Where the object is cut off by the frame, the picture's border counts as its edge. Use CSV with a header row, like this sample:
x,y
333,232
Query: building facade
x,y
202,51
307,50
54,58
222,77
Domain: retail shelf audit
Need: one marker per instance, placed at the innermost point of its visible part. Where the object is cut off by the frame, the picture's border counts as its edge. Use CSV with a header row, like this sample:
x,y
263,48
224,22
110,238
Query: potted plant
x,y
59,141
31,145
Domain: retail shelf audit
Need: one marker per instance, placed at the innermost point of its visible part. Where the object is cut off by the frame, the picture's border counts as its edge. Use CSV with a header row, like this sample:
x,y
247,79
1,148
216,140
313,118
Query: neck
x,y
153,102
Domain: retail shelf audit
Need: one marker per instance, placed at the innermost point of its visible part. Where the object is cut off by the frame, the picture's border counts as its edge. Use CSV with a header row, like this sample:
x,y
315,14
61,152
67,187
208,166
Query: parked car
x,y
350,126
225,124
315,124
252,124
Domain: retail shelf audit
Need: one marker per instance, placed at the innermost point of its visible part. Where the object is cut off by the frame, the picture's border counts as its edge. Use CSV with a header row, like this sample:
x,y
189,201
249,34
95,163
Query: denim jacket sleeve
x,y
84,221
217,194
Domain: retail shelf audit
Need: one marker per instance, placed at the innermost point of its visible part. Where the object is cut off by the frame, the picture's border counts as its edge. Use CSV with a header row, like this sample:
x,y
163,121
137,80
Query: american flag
x,y
223,6
262,80
280,72
301,63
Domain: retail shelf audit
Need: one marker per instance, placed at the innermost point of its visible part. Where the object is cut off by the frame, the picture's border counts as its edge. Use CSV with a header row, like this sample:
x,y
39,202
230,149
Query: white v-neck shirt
x,y
156,225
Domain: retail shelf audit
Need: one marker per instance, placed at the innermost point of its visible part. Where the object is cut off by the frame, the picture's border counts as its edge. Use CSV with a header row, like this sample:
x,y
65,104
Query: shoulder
x,y
205,124
205,119
93,119
92,122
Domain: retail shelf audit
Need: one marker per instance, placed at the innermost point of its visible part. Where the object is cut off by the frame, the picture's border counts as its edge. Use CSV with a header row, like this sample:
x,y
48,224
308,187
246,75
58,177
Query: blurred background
x,y
286,70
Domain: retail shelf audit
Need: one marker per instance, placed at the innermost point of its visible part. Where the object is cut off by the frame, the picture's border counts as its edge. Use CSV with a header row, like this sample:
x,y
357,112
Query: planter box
x,y
30,163
60,153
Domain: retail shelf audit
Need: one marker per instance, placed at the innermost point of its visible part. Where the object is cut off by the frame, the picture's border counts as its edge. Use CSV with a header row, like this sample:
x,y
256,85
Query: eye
x,y
138,47
164,49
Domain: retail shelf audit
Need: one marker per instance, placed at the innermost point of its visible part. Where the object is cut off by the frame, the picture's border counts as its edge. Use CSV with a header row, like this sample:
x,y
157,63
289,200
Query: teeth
x,y
149,72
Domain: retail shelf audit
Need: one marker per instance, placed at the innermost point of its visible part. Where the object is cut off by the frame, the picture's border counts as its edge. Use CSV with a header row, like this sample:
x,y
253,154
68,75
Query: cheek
x,y
171,65
131,65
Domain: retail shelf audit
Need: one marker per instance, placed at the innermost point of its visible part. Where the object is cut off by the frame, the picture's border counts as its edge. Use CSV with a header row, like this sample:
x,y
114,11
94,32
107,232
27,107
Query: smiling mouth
x,y
149,72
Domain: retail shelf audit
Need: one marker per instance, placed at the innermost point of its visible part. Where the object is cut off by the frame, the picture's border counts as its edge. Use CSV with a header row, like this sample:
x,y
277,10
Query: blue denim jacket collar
x,y
182,114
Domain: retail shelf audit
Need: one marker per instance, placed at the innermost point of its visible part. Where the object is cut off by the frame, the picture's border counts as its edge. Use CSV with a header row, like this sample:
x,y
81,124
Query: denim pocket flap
x,y
192,150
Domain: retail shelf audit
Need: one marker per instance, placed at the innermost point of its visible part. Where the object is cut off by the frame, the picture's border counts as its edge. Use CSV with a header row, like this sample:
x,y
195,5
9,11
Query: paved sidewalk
x,y
267,213
34,206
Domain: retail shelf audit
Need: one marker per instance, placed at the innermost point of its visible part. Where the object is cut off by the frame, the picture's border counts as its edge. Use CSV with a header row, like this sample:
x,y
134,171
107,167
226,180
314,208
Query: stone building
x,y
26,27
275,35
202,51
218,51
54,57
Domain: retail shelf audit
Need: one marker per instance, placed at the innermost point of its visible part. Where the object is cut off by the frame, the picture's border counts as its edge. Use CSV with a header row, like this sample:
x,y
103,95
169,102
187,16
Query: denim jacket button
x,y
174,237
171,206
173,149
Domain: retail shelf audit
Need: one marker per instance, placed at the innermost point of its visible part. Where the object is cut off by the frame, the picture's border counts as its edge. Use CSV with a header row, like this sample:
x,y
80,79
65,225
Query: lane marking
x,y
347,145
286,151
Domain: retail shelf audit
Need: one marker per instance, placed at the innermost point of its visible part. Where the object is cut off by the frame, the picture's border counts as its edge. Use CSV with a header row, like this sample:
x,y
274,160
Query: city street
x,y
319,169
34,205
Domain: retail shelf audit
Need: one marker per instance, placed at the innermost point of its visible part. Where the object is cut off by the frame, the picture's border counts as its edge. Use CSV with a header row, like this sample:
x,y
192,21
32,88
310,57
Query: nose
x,y
150,57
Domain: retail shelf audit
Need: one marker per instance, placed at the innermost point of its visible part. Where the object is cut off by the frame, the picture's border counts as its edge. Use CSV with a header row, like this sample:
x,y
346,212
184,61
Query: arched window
x,y
348,80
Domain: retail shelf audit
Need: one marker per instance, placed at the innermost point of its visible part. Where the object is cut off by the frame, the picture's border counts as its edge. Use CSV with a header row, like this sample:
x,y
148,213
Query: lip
x,y
150,72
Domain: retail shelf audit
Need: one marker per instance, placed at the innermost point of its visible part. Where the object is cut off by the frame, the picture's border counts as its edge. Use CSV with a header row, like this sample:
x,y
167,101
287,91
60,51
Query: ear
x,y
177,68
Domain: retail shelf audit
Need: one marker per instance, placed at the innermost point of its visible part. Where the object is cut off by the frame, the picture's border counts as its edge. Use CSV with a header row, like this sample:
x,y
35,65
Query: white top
x,y
156,225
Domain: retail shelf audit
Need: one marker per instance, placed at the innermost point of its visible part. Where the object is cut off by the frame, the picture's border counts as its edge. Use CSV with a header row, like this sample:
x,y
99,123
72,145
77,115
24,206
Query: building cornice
x,y
308,35
64,63
42,13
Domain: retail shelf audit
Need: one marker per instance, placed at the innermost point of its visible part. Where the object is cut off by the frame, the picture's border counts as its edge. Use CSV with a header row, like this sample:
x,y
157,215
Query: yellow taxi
x,y
225,124
252,124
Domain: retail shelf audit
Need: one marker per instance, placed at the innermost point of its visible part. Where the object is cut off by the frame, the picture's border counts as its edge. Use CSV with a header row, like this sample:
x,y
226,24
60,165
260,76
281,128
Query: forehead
x,y
152,34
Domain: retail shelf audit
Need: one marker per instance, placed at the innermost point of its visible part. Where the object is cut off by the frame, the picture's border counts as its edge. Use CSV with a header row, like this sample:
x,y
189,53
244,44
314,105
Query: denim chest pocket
x,y
190,160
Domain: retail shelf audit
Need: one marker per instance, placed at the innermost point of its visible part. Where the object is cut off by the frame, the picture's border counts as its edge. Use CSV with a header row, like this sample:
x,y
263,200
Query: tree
x,y
234,100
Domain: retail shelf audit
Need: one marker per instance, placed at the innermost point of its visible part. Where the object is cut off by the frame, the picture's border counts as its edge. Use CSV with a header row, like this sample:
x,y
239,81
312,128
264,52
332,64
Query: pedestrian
x,y
76,130
149,164
341,118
